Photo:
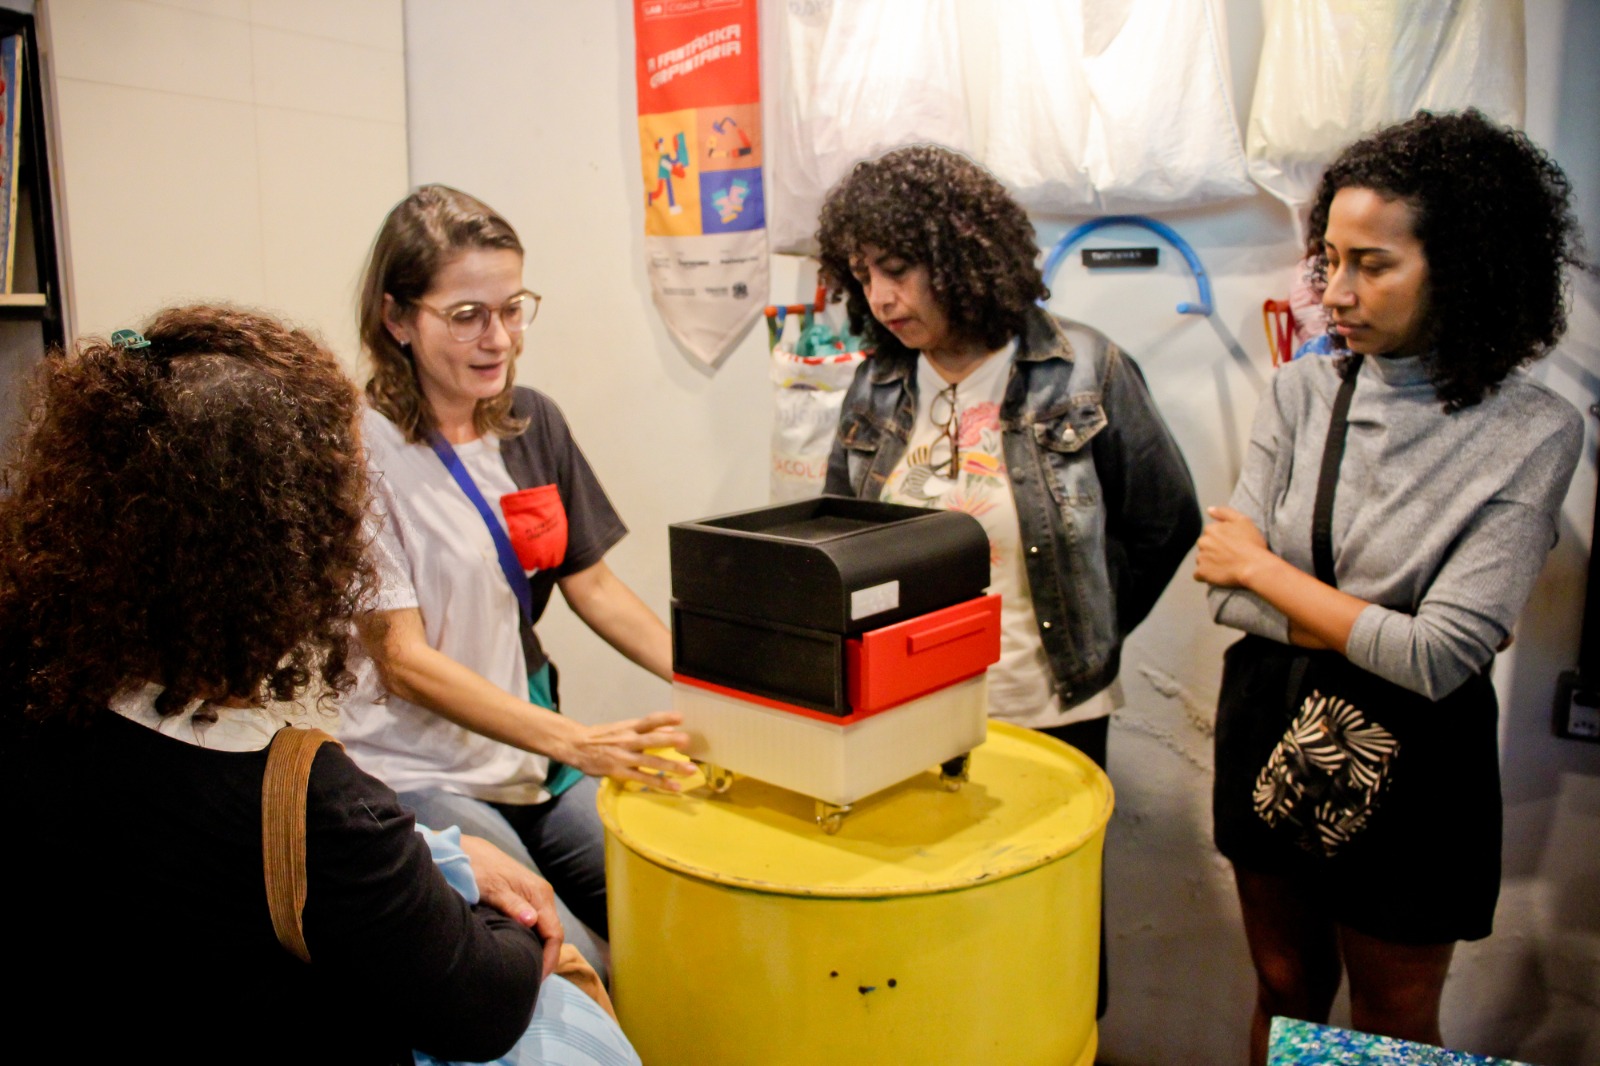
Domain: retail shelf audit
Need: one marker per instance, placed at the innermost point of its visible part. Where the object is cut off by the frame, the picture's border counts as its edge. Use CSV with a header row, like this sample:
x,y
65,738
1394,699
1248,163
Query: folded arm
x,y
1271,444
1233,555
1466,614
1470,606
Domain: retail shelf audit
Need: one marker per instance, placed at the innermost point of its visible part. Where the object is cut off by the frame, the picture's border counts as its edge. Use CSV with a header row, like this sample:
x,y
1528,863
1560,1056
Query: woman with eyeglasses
x,y
976,399
485,505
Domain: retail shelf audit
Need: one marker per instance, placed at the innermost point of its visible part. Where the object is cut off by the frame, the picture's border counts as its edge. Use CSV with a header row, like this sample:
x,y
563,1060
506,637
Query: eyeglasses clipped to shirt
x,y
949,426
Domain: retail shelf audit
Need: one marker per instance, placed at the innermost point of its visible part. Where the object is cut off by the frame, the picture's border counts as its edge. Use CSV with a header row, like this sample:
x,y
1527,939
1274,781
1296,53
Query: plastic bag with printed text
x,y
809,380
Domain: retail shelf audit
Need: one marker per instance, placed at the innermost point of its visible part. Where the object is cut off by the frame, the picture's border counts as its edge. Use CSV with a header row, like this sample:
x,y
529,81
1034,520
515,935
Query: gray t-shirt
x,y
435,554
1441,521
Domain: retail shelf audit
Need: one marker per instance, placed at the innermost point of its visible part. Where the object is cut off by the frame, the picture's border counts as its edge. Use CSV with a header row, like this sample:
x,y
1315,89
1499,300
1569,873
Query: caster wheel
x,y
955,772
830,816
718,780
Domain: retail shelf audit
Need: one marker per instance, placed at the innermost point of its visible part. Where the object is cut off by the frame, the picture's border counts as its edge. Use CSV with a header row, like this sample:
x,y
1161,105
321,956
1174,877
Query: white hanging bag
x,y
1334,70
1113,106
860,77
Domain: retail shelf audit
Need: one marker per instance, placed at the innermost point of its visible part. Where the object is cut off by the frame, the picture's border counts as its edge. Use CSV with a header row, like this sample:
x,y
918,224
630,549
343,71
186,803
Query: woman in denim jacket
x,y
976,399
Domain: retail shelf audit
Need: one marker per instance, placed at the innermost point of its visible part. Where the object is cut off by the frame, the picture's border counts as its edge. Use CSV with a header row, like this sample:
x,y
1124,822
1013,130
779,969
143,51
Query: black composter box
x,y
764,600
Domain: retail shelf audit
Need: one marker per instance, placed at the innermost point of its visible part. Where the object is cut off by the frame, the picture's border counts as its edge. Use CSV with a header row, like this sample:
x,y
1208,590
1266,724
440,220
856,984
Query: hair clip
x,y
129,339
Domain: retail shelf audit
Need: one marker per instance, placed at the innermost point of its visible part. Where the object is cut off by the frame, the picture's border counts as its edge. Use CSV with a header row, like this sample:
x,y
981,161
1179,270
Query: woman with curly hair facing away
x,y
487,504
181,548
1365,833
977,400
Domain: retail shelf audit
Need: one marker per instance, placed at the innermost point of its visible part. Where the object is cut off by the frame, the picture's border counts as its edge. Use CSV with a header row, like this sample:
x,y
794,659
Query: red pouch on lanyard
x,y
537,523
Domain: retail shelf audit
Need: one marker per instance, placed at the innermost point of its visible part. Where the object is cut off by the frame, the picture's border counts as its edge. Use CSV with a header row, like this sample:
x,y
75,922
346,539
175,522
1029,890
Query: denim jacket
x,y
1105,504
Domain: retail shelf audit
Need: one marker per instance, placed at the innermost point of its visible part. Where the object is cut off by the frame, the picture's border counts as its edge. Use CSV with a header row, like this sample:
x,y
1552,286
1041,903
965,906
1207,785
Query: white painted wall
x,y
237,150
531,106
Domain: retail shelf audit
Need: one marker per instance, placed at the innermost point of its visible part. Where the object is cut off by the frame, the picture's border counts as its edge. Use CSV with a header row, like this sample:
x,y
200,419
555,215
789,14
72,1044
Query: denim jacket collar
x,y
1042,339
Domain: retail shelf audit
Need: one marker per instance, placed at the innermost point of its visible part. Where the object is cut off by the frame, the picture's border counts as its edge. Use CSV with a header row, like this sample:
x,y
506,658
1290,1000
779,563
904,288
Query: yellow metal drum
x,y
935,927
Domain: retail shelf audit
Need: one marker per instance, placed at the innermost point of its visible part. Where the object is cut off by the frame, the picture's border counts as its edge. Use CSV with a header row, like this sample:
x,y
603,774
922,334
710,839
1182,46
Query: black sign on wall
x,y
1121,257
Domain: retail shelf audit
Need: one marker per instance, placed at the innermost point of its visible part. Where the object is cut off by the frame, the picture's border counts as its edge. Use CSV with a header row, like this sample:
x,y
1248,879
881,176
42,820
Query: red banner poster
x,y
699,78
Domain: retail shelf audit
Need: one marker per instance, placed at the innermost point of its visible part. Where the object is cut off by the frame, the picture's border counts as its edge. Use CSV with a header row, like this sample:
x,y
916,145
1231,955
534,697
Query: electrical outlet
x,y
1577,710
1583,722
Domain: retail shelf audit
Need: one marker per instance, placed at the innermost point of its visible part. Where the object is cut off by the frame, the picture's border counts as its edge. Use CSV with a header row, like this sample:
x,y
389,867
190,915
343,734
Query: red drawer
x,y
888,666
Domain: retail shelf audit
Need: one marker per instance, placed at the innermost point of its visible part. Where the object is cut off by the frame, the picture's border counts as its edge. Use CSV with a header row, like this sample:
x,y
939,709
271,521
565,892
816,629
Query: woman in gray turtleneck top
x,y
1443,243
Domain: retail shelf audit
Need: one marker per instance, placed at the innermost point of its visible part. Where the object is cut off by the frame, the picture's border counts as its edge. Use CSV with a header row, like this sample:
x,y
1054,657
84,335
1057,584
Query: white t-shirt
x,y
434,553
1021,688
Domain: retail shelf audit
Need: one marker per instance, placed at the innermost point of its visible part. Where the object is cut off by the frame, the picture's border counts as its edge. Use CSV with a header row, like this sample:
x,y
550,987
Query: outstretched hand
x,y
617,749
1230,548
518,893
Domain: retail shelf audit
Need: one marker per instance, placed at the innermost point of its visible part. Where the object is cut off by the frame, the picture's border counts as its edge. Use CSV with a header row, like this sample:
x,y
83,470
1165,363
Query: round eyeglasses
x,y
469,321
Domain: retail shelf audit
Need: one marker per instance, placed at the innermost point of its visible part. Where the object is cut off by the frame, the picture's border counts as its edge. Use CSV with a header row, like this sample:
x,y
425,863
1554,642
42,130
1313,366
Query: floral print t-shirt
x,y
964,421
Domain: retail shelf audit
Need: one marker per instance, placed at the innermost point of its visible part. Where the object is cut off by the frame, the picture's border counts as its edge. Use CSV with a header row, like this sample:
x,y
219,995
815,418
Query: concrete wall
x,y
537,117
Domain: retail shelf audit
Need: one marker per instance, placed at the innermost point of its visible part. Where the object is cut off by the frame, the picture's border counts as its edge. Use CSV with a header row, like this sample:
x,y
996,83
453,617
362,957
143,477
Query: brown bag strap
x,y
575,968
283,831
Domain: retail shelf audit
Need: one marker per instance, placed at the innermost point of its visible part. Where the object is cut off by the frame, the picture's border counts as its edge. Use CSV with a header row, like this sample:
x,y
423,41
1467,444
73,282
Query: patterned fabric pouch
x,y
1323,780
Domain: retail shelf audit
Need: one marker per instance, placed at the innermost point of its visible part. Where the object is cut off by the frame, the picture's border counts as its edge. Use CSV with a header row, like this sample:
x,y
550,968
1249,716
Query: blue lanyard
x,y
516,577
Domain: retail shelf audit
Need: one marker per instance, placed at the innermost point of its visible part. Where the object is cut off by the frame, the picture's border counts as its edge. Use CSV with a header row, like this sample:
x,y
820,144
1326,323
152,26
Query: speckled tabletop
x,y
1304,1044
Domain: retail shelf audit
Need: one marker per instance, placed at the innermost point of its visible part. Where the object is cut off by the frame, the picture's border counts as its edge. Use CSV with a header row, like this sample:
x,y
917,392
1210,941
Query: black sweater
x,y
139,920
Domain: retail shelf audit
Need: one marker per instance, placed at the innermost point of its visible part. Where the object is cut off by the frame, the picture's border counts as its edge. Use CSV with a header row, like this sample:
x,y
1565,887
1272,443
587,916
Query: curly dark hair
x,y
190,513
421,234
934,207
1494,216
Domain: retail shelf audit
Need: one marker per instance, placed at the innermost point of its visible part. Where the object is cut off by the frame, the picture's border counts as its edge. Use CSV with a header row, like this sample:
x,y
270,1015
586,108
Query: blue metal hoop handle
x,y
1059,250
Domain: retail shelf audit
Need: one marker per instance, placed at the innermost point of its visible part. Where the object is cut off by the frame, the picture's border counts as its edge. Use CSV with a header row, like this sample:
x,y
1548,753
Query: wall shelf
x,y
33,320
37,270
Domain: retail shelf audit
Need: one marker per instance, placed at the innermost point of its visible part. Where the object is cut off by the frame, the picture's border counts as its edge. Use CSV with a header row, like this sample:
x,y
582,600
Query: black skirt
x,y
1426,868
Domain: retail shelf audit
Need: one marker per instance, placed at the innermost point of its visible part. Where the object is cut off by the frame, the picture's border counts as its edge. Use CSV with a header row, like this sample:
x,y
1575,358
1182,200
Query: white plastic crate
x,y
832,762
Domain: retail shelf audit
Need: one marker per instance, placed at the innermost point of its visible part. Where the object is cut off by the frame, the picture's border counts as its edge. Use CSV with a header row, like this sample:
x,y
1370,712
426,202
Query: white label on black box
x,y
874,600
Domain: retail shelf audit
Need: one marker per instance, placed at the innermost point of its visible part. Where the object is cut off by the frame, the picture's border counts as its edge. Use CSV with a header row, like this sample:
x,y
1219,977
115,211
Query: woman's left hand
x,y
518,893
619,750
1234,554
1229,550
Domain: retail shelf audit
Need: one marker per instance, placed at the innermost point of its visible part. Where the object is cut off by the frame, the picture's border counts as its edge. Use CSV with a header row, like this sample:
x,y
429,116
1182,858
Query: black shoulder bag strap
x,y
1328,479
1322,509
